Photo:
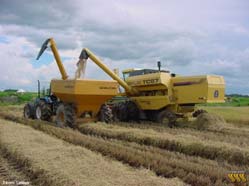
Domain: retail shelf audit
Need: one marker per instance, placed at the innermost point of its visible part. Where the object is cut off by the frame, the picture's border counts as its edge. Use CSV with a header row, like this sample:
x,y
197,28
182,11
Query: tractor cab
x,y
137,72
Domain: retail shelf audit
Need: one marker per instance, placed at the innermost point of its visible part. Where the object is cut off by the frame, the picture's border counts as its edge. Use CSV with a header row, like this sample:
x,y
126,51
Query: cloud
x,y
189,37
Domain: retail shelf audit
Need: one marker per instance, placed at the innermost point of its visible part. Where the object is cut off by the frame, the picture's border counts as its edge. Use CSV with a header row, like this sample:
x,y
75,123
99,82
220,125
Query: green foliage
x,y
232,100
14,98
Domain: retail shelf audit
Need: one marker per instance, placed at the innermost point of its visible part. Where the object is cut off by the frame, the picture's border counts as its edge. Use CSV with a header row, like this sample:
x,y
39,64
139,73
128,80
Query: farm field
x,y
123,153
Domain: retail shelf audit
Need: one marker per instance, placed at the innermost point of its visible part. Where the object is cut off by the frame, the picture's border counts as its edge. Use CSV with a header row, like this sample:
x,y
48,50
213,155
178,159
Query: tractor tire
x,y
28,111
43,111
66,115
198,112
105,114
166,117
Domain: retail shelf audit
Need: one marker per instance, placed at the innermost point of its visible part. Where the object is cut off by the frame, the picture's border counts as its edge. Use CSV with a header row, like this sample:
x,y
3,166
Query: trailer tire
x,y
66,115
166,117
105,114
43,111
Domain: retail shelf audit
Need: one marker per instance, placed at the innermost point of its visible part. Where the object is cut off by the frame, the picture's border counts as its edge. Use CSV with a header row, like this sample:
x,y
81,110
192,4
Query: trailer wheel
x,y
66,115
28,111
43,111
166,117
105,114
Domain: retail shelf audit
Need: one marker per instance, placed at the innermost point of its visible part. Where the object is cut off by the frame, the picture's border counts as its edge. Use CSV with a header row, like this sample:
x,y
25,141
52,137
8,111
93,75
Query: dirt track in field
x,y
53,161
11,173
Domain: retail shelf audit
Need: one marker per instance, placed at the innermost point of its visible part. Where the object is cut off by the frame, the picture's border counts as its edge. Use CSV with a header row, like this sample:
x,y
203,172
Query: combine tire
x,y
198,112
43,111
133,111
66,116
166,117
105,114
28,111
126,111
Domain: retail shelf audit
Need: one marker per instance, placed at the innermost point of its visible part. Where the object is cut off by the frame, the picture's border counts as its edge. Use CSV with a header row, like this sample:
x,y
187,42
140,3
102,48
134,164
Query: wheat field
x,y
125,153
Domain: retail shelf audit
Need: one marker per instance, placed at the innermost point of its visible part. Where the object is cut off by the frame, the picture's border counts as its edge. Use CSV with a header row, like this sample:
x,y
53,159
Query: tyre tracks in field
x,y
191,169
11,173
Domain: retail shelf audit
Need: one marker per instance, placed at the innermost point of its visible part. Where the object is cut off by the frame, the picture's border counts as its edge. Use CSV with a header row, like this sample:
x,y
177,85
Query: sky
x,y
189,37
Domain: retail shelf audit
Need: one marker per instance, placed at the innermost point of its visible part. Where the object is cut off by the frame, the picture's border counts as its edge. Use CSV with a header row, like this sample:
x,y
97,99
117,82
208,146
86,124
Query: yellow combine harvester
x,y
155,95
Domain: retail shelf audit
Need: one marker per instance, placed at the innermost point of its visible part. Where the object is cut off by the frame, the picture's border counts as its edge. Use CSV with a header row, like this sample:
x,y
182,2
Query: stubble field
x,y
123,153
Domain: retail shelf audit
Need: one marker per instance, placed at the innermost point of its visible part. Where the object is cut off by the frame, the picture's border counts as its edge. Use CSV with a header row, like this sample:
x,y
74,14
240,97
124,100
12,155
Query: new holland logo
x,y
216,93
237,176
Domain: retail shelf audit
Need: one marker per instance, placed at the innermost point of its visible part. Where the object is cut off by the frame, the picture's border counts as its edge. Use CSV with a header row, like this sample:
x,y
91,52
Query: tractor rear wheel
x,y
43,111
166,117
105,114
28,111
66,115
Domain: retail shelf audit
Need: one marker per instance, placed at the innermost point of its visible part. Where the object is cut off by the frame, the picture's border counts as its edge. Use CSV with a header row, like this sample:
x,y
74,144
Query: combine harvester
x,y
149,94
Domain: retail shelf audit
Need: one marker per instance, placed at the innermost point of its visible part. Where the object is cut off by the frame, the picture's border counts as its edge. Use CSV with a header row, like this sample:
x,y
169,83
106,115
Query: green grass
x,y
14,98
235,101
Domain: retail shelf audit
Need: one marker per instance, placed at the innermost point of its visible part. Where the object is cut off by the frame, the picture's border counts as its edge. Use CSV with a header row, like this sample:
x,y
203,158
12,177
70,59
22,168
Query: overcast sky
x,y
189,37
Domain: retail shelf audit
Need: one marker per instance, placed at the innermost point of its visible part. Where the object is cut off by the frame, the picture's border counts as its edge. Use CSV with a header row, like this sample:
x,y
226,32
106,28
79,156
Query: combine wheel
x,y
105,114
126,111
198,112
28,111
66,115
133,111
43,111
166,117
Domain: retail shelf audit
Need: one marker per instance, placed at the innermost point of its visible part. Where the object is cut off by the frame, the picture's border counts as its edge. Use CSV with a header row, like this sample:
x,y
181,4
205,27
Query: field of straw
x,y
124,153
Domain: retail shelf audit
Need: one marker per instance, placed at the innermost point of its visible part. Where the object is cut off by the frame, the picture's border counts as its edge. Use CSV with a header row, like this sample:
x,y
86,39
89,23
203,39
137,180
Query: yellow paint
x,y
58,59
87,95
201,91
152,91
151,102
159,90
96,60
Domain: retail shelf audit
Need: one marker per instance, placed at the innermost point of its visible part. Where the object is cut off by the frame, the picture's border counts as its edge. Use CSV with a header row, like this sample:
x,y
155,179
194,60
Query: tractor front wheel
x,y
66,115
28,111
